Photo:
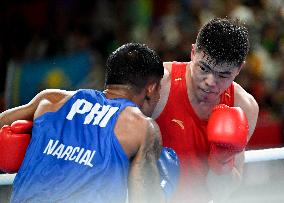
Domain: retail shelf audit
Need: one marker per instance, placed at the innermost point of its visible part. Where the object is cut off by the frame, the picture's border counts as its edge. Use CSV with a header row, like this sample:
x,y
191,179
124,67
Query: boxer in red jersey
x,y
211,166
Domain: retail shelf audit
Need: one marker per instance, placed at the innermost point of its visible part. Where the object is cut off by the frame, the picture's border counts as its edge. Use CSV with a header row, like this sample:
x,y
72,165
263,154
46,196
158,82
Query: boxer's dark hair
x,y
133,64
224,40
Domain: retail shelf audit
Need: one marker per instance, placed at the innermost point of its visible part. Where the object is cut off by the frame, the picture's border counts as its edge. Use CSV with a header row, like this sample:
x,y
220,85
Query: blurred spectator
x,y
40,29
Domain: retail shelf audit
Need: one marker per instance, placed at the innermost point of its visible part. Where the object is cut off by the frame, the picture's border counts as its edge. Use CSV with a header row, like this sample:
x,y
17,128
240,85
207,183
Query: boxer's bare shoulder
x,y
247,102
165,90
50,100
133,128
168,66
52,95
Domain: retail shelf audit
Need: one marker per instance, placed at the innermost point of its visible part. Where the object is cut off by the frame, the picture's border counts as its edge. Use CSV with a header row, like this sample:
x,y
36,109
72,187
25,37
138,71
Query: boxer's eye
x,y
205,70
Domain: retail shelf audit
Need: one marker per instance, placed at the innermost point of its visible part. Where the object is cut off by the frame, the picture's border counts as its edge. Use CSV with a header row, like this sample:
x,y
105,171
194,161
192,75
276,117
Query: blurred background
x,y
65,43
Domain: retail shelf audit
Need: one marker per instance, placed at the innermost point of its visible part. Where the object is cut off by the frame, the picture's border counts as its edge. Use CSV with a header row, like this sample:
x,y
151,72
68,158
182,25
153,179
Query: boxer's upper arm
x,y
144,179
165,90
52,101
27,111
249,105
168,66
233,179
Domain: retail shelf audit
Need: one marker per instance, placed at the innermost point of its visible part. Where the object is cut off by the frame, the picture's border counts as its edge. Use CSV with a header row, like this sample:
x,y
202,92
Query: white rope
x,y
250,156
264,155
7,179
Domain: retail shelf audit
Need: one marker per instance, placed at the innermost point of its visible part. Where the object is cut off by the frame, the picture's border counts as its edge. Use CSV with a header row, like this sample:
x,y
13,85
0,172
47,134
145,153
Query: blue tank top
x,y
74,155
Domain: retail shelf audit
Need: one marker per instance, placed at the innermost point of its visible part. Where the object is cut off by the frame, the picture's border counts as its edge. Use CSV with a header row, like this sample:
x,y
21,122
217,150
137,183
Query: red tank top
x,y
183,131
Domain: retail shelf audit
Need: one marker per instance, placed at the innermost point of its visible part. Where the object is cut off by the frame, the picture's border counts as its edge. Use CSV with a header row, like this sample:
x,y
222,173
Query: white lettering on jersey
x,y
79,155
58,151
66,152
88,155
107,117
50,147
72,157
70,153
97,113
81,106
100,114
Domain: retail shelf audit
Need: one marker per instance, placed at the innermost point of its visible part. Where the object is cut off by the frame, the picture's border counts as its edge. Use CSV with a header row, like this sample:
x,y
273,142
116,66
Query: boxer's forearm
x,y
222,186
24,112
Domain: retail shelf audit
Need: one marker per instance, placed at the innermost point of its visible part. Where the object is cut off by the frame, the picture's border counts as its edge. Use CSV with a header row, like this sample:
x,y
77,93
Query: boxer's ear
x,y
151,89
241,67
192,53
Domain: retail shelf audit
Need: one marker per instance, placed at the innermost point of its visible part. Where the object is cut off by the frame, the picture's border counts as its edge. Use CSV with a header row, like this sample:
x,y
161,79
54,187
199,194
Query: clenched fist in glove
x,y
227,132
169,169
14,141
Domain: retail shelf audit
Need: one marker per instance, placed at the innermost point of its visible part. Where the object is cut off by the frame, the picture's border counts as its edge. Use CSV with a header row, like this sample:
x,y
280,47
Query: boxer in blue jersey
x,y
92,146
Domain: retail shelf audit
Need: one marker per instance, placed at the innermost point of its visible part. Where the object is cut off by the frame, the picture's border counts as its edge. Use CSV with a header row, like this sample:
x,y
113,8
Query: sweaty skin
x,y
138,135
203,90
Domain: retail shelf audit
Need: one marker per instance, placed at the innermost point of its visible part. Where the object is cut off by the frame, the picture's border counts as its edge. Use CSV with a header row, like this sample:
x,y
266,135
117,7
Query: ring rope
x,y
250,156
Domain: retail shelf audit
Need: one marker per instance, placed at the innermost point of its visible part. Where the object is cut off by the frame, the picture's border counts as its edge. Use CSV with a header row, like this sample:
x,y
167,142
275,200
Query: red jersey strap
x,y
228,96
177,106
178,89
178,93
178,80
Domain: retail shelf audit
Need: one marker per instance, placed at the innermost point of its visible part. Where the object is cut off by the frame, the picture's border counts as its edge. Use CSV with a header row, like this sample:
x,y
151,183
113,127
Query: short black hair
x,y
133,64
224,40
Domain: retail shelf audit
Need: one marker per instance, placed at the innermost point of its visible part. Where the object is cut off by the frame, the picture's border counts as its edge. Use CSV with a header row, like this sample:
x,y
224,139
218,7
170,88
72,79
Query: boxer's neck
x,y
119,91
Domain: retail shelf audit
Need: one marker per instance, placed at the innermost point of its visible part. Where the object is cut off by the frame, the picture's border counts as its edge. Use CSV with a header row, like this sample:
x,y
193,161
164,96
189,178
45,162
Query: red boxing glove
x,y
14,141
227,132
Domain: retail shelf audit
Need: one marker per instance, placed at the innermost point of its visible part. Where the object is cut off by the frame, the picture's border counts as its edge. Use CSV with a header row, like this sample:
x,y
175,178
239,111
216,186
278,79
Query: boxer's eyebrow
x,y
203,63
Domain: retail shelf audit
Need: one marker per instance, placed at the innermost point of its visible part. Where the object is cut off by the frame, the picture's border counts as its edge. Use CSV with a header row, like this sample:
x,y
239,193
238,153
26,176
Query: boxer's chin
x,y
207,95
